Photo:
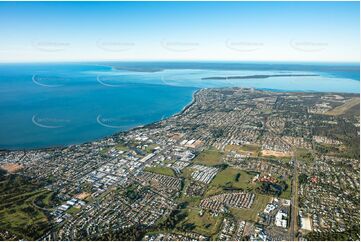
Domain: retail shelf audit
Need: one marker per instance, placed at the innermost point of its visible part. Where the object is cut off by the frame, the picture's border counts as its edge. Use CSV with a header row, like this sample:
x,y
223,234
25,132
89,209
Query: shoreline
x,y
61,147
184,109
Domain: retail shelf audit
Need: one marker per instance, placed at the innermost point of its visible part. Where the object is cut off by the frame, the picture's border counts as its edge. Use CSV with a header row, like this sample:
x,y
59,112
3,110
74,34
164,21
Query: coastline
x,y
80,128
185,108
188,106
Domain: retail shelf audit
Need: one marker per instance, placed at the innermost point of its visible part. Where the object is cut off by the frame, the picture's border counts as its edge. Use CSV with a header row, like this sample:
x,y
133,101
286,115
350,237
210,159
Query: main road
x,y
294,201
293,229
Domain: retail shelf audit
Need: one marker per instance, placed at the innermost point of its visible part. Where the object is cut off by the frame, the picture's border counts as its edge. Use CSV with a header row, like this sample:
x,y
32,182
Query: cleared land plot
x,y
82,196
11,167
251,150
251,214
344,107
276,153
231,179
206,224
209,158
161,170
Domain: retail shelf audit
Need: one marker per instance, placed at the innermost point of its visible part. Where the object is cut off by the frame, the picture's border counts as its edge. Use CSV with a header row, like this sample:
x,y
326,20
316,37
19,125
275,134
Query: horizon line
x,y
185,60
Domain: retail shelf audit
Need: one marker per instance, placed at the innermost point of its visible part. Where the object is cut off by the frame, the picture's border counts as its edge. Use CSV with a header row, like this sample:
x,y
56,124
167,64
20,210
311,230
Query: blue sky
x,y
254,31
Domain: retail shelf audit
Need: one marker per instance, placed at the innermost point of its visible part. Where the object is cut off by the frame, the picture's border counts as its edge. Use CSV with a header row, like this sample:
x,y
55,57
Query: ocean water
x,y
47,105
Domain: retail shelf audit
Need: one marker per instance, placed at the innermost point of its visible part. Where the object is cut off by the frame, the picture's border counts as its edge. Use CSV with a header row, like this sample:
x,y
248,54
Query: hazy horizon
x,y
291,62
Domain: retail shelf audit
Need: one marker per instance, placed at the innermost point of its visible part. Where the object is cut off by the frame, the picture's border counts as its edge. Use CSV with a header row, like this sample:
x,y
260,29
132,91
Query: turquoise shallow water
x,y
46,105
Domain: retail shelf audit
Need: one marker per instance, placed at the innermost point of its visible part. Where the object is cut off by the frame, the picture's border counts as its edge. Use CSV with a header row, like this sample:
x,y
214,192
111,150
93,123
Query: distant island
x,y
254,76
